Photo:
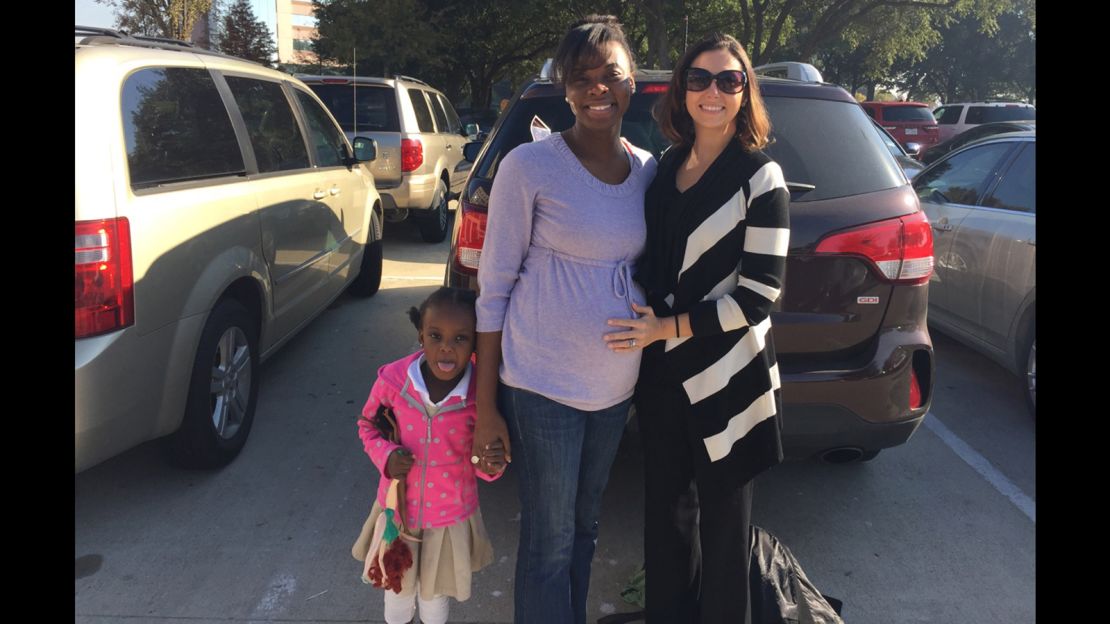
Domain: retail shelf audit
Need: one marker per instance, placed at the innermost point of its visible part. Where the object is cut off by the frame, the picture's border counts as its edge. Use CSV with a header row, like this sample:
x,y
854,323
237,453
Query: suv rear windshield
x,y
829,144
987,114
908,113
377,106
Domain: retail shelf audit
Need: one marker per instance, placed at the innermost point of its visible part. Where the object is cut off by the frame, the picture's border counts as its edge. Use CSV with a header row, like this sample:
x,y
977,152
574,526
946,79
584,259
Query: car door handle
x,y
319,195
450,147
942,227
334,190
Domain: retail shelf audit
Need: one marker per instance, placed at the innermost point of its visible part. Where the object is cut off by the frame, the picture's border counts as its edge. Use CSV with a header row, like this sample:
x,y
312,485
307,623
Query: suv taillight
x,y
901,248
412,154
103,285
472,232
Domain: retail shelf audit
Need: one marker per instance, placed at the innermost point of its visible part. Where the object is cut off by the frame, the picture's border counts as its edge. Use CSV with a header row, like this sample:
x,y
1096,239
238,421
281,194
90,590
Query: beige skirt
x,y
443,559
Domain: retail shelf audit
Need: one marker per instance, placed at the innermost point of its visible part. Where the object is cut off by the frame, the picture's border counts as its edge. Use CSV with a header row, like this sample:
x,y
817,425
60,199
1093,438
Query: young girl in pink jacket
x,y
431,395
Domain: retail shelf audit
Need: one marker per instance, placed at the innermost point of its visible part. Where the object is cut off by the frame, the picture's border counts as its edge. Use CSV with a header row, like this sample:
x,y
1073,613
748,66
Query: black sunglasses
x,y
728,81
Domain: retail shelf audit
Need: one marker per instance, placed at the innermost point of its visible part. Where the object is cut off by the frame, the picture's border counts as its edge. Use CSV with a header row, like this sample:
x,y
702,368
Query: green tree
x,y
173,19
383,36
244,35
978,59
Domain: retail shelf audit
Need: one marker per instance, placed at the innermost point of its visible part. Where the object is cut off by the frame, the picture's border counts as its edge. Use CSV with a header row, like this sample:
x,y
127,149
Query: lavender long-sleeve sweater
x,y
559,249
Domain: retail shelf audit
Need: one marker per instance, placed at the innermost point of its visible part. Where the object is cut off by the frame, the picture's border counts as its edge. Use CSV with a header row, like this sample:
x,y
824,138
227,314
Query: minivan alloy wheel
x,y
231,382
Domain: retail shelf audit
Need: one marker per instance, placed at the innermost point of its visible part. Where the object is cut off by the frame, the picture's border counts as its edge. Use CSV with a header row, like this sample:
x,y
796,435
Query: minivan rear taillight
x,y
103,285
472,231
412,154
901,248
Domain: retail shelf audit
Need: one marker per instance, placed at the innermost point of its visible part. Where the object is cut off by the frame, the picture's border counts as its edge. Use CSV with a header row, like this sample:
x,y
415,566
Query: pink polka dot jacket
x,y
440,489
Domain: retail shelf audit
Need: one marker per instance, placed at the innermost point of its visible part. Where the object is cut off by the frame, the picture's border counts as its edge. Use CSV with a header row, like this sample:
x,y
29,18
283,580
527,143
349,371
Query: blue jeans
x,y
562,457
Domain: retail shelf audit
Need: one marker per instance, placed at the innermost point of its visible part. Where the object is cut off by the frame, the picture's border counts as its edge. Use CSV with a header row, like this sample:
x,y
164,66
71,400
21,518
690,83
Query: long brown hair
x,y
753,126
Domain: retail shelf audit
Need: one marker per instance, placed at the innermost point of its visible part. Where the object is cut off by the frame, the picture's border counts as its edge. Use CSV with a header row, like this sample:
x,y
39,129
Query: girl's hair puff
x,y
460,297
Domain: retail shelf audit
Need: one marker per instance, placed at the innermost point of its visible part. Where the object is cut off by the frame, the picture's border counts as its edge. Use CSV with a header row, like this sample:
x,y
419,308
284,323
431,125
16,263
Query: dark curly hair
x,y
581,46
463,298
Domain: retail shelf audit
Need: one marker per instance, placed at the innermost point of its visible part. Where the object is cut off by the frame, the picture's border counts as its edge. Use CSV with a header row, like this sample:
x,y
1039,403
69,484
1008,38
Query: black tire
x,y
216,424
370,274
433,225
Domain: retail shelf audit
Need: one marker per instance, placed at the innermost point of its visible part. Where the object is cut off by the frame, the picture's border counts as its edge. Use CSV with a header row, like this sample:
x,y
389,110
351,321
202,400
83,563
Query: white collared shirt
x,y
417,379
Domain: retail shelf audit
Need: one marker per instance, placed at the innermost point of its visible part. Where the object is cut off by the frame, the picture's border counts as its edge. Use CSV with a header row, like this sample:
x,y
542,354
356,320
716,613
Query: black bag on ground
x,y
779,591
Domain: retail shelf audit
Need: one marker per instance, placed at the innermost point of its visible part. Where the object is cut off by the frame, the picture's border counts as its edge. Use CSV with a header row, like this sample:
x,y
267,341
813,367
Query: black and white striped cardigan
x,y
722,259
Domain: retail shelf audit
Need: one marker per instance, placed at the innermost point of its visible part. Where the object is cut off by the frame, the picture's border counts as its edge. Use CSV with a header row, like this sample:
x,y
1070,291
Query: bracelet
x,y
676,330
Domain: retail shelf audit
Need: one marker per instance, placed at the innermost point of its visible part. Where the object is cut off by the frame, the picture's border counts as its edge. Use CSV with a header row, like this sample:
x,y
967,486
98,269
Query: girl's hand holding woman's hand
x,y
640,332
491,441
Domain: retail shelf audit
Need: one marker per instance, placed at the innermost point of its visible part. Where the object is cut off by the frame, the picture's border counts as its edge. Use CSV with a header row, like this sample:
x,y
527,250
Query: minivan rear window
x,y
988,114
907,113
376,107
176,128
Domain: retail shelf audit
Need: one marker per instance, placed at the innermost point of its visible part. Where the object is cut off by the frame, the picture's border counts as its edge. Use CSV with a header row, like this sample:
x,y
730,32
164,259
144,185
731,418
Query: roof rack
x,y
106,36
411,79
791,70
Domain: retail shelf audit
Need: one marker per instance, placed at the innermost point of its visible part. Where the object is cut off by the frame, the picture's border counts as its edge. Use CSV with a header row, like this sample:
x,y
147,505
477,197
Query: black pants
x,y
695,533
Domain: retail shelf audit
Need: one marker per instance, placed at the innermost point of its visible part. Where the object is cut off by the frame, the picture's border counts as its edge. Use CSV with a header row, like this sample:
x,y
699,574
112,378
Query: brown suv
x,y
853,347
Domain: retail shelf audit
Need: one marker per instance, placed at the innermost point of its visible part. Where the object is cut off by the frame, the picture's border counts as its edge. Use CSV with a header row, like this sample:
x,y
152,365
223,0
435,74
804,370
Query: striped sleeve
x,y
762,263
508,234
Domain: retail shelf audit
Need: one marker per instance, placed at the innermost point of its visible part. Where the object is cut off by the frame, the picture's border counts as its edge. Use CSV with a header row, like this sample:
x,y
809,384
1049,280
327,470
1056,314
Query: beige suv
x,y
218,209
420,164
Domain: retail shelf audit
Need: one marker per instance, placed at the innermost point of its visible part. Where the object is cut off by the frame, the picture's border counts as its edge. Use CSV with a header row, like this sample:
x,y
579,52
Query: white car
x,y
959,116
218,208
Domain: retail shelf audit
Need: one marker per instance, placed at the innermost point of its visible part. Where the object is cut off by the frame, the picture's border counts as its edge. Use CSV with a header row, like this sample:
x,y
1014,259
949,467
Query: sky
x,y
89,13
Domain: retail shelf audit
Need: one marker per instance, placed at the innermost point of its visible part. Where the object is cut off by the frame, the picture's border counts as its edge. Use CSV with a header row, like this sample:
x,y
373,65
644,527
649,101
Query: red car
x,y
907,122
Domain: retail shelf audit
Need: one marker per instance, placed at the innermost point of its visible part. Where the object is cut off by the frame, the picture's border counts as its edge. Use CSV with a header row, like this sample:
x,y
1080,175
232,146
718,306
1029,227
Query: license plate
x,y
911,130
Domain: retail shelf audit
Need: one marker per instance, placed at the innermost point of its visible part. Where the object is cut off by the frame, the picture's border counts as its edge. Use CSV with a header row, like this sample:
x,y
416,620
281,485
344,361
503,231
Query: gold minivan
x,y
218,208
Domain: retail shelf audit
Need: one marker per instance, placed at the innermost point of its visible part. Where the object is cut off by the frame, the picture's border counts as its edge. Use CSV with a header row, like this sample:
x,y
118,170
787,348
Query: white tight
x,y
399,609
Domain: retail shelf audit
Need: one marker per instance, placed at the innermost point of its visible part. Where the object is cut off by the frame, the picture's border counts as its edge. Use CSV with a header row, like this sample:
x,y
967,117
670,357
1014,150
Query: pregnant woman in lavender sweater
x,y
566,224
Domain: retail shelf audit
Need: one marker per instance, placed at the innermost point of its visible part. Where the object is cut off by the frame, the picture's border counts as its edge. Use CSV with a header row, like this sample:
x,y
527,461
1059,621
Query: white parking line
x,y
983,467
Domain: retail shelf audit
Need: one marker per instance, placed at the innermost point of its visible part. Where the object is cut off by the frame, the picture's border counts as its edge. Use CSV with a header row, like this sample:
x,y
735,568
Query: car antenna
x,y
354,88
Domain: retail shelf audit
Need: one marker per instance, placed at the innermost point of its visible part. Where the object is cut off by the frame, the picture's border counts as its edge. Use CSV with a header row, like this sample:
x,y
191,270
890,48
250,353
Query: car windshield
x,y
377,108
908,113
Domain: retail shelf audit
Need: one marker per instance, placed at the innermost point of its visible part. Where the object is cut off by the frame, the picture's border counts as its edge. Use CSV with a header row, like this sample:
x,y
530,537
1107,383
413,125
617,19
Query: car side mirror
x,y
471,150
366,149
471,130
913,149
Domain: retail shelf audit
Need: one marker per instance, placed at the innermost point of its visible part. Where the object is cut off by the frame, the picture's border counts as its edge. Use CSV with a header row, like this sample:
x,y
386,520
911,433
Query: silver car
x,y
982,204
420,164
218,208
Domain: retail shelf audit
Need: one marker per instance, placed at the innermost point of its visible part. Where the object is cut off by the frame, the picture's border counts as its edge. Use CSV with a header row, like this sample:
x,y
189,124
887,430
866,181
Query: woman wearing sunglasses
x,y
708,393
